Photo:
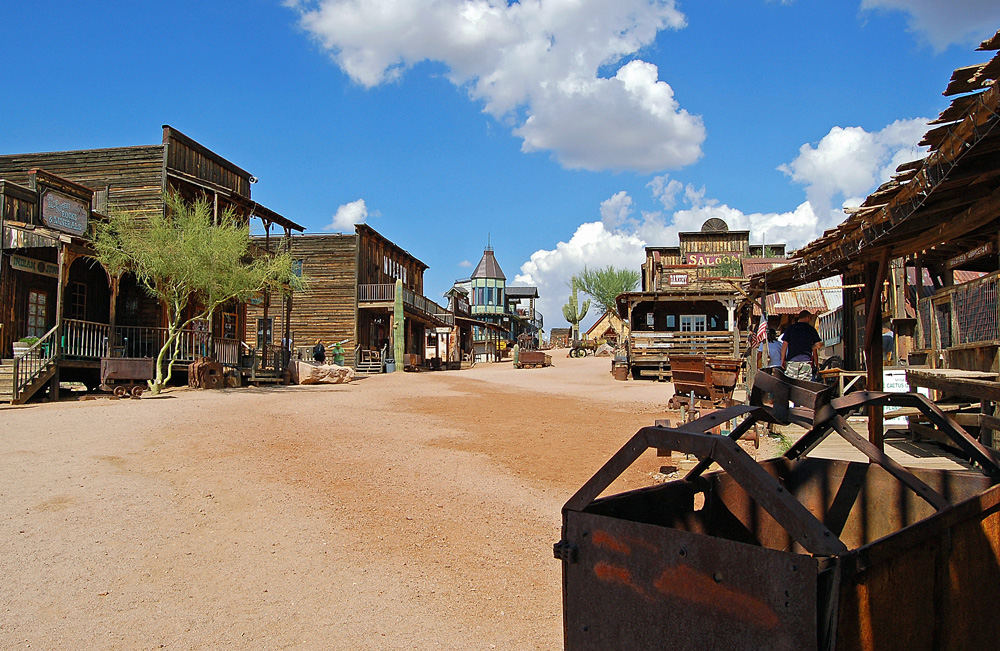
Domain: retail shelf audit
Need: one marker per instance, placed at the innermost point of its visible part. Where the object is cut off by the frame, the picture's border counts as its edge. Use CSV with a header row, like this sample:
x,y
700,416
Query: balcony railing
x,y
386,293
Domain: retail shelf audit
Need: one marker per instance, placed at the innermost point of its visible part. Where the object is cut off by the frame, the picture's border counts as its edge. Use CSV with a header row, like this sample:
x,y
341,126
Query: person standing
x,y
319,352
800,348
774,346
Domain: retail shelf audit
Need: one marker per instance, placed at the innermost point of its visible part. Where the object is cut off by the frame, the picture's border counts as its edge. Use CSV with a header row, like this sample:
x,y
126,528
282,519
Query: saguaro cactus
x,y
574,311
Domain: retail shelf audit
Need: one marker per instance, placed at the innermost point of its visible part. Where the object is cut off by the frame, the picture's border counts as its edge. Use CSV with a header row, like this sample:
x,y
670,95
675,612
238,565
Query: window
x,y
264,329
38,313
693,323
76,301
671,322
228,325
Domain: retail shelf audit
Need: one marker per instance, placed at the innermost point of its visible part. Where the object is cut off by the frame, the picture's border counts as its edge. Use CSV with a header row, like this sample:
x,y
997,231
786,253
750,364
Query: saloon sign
x,y
64,213
712,259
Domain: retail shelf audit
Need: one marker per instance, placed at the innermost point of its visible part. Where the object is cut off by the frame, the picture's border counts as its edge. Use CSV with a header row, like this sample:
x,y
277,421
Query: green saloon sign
x,y
64,213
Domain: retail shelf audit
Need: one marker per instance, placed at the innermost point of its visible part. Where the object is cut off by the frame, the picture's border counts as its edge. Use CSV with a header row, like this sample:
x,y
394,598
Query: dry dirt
x,y
413,510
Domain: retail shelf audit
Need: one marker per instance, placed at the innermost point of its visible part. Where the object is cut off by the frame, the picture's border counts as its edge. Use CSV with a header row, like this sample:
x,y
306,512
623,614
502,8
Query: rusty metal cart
x,y
533,359
790,553
126,376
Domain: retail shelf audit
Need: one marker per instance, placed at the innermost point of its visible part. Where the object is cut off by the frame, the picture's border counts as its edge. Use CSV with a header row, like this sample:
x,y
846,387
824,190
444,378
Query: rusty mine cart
x,y
791,553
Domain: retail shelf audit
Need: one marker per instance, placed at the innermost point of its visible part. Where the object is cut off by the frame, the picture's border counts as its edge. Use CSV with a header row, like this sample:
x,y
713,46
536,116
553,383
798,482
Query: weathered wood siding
x,y
133,176
327,310
380,262
190,157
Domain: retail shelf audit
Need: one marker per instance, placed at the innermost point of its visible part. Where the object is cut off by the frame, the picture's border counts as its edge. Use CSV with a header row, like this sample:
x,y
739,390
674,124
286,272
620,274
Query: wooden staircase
x,y
370,367
7,382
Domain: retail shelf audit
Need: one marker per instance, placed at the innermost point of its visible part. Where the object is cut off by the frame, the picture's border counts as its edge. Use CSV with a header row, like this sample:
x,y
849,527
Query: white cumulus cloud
x,y
944,23
849,162
347,215
535,65
842,168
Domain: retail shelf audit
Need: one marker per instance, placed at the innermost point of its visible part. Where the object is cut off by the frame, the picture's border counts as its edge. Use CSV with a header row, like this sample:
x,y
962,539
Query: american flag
x,y
761,334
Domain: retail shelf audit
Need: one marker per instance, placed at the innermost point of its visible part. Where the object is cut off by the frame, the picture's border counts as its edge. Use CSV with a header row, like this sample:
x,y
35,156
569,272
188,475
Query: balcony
x,y
385,294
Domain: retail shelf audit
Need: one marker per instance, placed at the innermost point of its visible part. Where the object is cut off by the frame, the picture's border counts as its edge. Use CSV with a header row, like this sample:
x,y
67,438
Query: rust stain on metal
x,y
617,574
606,540
685,583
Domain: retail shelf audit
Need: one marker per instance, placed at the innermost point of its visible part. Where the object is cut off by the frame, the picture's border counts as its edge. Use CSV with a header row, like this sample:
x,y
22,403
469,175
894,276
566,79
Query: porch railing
x,y
660,345
90,340
38,358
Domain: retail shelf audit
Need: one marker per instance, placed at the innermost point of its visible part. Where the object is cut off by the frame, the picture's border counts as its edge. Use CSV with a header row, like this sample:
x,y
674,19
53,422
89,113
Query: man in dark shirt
x,y
800,348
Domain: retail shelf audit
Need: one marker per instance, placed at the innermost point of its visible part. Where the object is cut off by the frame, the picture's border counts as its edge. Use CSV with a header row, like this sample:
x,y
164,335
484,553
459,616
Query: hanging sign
x,y
32,266
64,213
980,251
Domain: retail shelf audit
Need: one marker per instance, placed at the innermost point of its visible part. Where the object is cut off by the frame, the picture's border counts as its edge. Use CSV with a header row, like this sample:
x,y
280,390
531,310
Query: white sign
x,y
894,381
442,331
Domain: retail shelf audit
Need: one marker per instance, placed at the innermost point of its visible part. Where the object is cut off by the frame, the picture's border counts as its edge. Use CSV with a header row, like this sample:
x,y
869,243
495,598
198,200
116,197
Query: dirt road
x,y
400,511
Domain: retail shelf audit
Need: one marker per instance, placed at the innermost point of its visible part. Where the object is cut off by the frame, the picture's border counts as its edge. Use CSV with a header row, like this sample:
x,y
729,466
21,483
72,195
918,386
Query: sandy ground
x,y
412,510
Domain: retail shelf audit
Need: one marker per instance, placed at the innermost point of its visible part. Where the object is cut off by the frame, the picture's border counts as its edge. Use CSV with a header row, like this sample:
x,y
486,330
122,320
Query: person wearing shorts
x,y
800,348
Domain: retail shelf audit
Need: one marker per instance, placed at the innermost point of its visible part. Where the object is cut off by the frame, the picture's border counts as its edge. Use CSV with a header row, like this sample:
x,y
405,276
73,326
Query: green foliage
x,y
31,341
188,261
573,310
604,285
729,268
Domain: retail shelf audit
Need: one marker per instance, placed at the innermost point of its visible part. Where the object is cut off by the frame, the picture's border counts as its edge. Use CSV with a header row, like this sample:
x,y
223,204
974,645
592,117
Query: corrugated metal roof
x,y
488,267
753,266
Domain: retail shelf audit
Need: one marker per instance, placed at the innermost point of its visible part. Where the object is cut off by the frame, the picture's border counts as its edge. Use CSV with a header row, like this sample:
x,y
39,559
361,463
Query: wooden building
x,y
509,311
52,288
936,222
353,284
609,328
690,300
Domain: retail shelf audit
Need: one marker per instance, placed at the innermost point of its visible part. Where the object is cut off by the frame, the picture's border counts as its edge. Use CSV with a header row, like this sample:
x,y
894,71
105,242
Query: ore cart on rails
x,y
791,553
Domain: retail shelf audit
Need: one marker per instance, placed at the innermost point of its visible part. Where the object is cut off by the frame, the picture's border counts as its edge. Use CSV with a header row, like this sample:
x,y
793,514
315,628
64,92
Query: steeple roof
x,y
488,267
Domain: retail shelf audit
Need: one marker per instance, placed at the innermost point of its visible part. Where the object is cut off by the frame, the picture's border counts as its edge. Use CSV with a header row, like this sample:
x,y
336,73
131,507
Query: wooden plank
x,y
950,384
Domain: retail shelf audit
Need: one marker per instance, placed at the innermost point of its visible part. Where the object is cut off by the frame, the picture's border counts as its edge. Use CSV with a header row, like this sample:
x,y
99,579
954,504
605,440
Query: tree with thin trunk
x,y
189,260
574,311
604,285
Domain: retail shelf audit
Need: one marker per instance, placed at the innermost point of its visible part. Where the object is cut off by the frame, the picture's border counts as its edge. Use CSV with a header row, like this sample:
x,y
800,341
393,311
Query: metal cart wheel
x,y
121,391
136,390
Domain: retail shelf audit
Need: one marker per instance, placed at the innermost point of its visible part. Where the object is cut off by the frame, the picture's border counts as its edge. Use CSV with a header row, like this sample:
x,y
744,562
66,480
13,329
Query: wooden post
x,y
287,299
113,312
398,326
874,277
60,297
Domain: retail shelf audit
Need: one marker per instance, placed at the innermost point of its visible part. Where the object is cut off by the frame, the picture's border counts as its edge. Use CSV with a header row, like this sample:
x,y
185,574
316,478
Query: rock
x,y
604,350
307,373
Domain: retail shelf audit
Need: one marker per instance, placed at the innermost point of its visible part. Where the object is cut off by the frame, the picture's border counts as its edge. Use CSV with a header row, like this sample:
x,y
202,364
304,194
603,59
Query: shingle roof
x,y
521,292
488,267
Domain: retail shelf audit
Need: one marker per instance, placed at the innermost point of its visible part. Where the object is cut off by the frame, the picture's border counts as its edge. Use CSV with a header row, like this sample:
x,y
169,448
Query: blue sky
x,y
568,132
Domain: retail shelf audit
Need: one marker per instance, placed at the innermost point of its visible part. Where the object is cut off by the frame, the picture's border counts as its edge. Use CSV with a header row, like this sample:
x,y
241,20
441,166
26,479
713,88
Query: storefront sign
x,y
64,213
712,259
677,280
32,266
980,251
442,331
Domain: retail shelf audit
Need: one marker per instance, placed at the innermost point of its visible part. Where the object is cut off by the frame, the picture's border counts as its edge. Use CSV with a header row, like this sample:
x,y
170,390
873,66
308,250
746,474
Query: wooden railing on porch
x,y
91,340
34,363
